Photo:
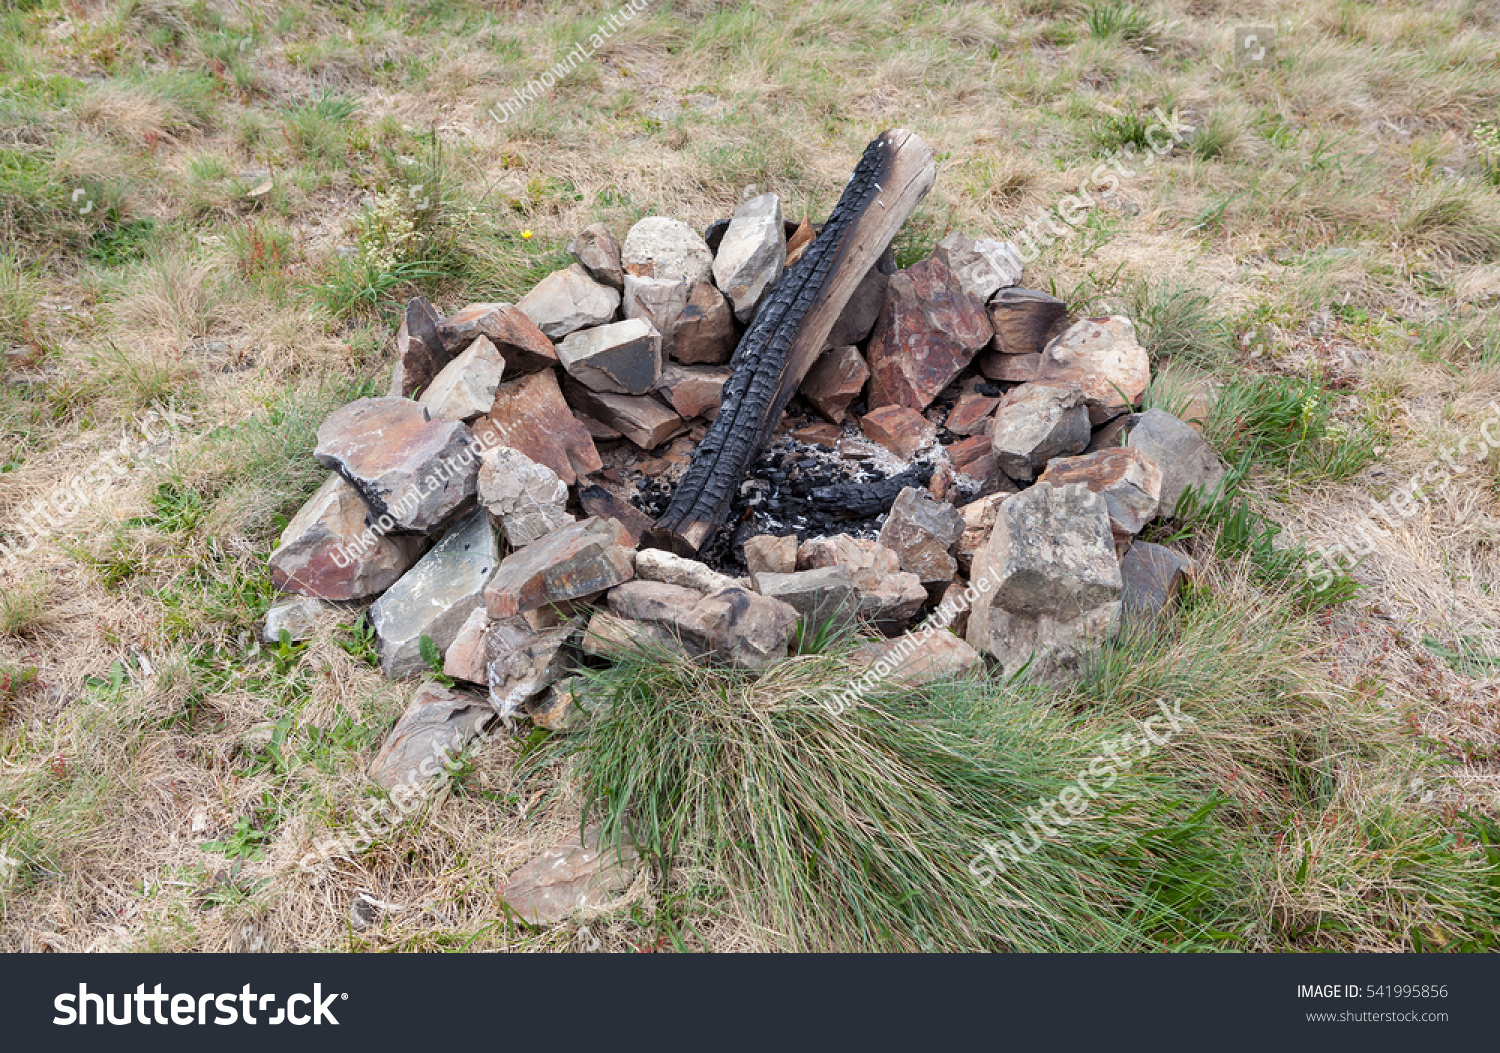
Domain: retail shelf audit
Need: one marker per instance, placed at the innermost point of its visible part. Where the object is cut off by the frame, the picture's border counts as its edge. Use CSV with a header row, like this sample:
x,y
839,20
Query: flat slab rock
x,y
574,563
818,596
414,470
918,658
435,597
622,357
328,551
465,388
531,415
569,300
436,726
752,254
640,418
521,660
731,624
928,332
1152,575
899,429
577,875
524,347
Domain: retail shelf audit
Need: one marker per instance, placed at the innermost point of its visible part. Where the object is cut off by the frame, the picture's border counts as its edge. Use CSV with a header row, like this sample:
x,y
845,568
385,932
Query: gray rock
x,y
613,637
435,728
521,660
420,350
465,389
817,595
599,252
923,531
330,552
622,357
667,250
569,565
1186,460
579,874
919,658
752,254
1035,423
298,617
436,596
408,468
1152,575
893,603
730,624
528,498
656,602
662,302
983,267
567,300
862,311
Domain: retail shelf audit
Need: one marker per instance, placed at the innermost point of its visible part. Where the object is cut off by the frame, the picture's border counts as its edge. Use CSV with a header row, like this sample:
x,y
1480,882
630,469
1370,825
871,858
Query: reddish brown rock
x,y
411,471
435,728
799,240
1010,369
835,380
421,352
575,875
1024,320
599,252
902,431
1102,357
640,418
693,391
928,331
765,554
570,564
703,331
974,457
826,435
602,502
971,414
531,415
598,431
524,347
1129,480
327,551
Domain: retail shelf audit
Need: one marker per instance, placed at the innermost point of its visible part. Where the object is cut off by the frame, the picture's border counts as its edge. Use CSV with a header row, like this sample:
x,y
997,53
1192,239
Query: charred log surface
x,y
788,332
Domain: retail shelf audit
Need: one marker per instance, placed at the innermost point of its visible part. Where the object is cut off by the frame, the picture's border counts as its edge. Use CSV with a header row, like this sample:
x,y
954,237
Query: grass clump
x,y
1114,20
25,608
865,830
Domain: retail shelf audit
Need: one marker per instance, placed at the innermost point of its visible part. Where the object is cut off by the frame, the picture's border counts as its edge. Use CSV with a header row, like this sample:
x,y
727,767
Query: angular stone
x,y
765,554
979,518
435,597
825,435
599,252
565,705
836,379
657,565
612,637
901,430
464,659
597,431
971,414
1152,575
751,255
862,311
528,498
982,267
622,357
569,300
657,602
1024,320
660,301
1102,357
573,563
438,723
1049,578
743,628
520,660
819,596
1010,369
703,328
640,418
918,658
693,391
666,249
1185,458
869,563
602,502
524,347
955,600
928,331
420,350
974,457
1035,423
414,470
1111,435
923,533
574,875
892,603
329,552
298,618
1128,479
531,415
465,389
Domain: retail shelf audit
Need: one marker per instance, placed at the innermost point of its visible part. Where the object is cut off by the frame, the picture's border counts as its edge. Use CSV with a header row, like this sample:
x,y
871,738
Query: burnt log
x,y
789,331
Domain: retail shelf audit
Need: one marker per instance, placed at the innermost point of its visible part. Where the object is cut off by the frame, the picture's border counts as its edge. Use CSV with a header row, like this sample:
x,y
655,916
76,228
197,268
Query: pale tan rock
x,y
923,533
621,357
568,300
1102,357
660,566
919,657
1035,423
765,554
527,498
693,391
573,563
465,389
436,726
575,875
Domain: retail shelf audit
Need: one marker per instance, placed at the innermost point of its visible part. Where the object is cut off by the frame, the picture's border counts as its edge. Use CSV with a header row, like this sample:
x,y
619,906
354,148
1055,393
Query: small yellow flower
x,y
526,235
